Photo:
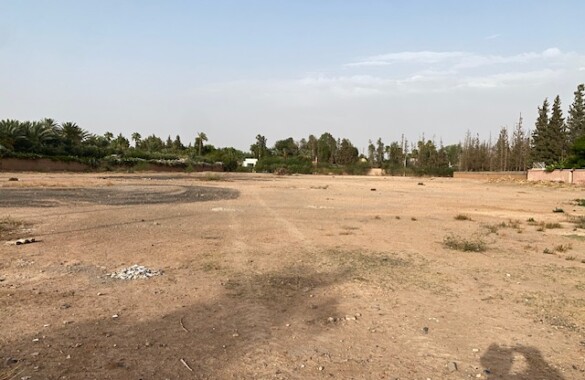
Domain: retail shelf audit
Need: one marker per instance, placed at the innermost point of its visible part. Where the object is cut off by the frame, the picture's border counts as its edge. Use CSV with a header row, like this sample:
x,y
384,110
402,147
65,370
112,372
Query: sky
x,y
358,69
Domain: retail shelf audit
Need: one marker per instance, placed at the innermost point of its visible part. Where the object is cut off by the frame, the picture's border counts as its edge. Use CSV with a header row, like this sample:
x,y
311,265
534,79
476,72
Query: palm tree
x,y
10,133
72,134
109,136
201,137
39,135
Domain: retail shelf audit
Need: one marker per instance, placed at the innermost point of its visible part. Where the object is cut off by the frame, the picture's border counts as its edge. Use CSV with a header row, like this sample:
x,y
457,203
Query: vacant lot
x,y
300,277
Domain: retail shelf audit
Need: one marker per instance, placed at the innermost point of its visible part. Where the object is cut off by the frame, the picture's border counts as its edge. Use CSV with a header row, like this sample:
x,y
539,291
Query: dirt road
x,y
296,277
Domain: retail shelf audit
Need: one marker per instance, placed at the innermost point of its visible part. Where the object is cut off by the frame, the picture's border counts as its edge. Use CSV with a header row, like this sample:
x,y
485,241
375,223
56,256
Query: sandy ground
x,y
292,277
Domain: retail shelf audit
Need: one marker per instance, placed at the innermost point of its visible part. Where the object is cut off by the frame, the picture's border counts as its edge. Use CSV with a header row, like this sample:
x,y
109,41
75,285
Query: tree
x,y
520,148
286,147
177,144
199,141
38,135
502,150
152,143
542,151
10,133
371,152
576,116
136,137
326,148
380,152
109,136
120,143
259,148
347,154
395,155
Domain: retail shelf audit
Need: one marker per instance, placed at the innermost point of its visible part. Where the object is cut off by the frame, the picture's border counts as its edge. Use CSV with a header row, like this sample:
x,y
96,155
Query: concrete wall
x,y
40,165
490,175
575,176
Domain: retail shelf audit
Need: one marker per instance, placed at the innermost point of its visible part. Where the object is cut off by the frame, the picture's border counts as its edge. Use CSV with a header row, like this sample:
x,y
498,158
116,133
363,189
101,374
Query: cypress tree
x,y
539,136
558,133
576,116
548,138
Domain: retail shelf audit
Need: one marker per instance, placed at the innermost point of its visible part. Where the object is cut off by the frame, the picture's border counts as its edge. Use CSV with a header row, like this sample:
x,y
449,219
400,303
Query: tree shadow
x,y
244,333
517,363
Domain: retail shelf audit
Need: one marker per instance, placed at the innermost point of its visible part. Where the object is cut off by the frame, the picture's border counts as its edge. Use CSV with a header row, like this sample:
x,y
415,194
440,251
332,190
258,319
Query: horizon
x,y
233,69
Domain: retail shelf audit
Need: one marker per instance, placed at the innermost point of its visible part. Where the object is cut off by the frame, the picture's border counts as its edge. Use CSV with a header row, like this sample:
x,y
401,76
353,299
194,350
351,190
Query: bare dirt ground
x,y
300,277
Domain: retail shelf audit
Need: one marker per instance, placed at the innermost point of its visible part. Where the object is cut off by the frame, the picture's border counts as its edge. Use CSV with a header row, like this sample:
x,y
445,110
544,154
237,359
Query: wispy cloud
x,y
455,59
429,57
493,36
531,78
415,72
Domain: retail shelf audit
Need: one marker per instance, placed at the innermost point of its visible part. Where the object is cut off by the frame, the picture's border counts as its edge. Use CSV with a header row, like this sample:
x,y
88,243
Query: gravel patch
x,y
135,272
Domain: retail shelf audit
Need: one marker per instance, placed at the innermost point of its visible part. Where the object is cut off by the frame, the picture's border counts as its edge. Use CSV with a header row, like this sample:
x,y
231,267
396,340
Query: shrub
x,y
458,243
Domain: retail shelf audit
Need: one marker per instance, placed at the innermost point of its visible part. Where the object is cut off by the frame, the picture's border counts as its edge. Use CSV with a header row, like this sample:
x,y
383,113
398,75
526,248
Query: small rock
x,y
235,335
425,330
35,340
321,368
115,316
476,350
12,179
452,366
331,319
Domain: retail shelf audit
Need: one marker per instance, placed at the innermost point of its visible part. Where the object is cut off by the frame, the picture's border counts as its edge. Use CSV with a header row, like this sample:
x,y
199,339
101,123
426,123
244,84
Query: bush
x,y
459,243
285,165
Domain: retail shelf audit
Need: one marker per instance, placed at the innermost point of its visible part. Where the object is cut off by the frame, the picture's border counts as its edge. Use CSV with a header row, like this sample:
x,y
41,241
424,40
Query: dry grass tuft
x,y
458,243
8,226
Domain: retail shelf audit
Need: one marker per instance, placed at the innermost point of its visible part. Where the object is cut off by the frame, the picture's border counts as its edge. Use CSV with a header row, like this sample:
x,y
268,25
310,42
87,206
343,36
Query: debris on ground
x,y
135,272
12,179
23,241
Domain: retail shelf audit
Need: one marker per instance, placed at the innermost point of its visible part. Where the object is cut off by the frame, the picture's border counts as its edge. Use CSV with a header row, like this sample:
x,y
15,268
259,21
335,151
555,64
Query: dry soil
x,y
289,277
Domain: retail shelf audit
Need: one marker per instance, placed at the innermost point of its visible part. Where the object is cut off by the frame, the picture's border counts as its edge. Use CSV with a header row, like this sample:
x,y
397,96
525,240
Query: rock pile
x,y
135,272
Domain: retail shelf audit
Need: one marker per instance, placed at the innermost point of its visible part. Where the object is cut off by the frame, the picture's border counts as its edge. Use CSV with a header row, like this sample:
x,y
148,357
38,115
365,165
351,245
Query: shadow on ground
x,y
236,335
517,363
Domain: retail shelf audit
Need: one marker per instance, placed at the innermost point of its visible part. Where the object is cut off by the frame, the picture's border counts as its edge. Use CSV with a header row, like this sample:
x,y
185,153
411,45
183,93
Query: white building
x,y
250,162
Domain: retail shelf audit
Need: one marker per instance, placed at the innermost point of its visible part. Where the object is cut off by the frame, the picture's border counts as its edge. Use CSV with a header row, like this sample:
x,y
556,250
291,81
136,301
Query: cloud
x,y
457,59
407,57
492,36
422,72
529,78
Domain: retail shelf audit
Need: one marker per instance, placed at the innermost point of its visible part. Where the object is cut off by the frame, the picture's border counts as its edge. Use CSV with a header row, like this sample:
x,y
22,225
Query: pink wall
x,y
576,176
